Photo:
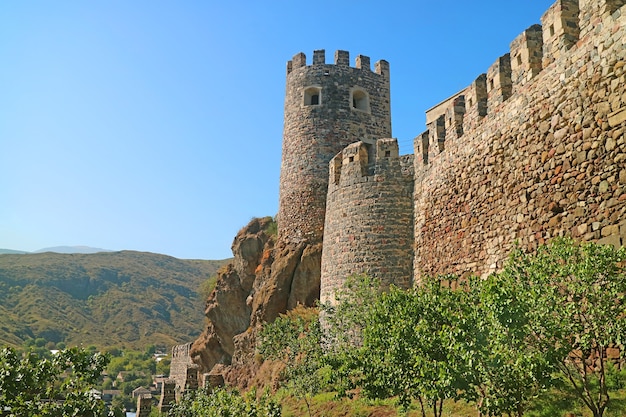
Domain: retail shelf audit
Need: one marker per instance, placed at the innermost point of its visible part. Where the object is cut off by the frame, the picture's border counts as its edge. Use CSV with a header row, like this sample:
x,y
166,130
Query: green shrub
x,y
225,403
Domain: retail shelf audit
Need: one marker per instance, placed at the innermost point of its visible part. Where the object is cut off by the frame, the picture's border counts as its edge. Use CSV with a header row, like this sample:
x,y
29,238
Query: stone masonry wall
x,y
549,160
181,365
327,107
369,217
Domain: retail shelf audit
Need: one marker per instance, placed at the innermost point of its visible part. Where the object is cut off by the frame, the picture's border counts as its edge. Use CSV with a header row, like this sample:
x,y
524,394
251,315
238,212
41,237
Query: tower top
x,y
342,58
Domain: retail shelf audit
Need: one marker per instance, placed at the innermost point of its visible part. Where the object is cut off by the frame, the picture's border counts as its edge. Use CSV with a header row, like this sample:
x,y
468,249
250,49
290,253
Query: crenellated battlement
x,y
533,51
181,351
542,149
342,59
360,160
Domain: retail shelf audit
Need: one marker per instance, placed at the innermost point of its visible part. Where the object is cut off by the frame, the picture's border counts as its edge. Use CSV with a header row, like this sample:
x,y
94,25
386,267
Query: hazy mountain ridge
x,y
57,249
125,298
72,249
12,252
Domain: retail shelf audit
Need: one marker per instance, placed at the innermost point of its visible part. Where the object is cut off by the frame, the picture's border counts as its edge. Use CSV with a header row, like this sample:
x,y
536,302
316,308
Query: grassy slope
x,y
123,299
550,404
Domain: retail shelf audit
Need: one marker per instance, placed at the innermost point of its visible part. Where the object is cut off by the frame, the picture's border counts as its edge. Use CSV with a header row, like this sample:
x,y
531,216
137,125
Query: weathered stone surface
x,y
207,350
272,295
617,118
558,142
279,276
352,103
247,250
305,285
369,217
227,308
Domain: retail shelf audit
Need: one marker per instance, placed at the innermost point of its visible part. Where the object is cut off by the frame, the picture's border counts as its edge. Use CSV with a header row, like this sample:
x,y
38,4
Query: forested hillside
x,y
122,299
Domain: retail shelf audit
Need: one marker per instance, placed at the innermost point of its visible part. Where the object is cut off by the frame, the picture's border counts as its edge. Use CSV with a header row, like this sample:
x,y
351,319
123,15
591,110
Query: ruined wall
x,y
182,369
547,157
369,216
168,396
144,405
327,107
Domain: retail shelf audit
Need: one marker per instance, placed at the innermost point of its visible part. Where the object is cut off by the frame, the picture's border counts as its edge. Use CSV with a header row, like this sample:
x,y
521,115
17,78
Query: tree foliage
x,y
444,340
497,342
406,348
294,340
50,387
224,403
578,313
503,372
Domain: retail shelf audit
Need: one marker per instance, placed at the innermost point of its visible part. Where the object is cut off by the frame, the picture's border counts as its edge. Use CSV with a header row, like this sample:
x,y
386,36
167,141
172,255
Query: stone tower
x,y
327,107
369,217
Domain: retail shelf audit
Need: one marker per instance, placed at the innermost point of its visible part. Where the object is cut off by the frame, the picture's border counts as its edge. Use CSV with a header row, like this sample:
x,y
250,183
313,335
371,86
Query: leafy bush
x,y
294,339
48,387
225,403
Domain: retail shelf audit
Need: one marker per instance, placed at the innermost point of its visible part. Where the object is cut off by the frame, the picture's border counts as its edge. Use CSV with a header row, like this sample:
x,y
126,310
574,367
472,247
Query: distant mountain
x,y
123,299
72,249
11,251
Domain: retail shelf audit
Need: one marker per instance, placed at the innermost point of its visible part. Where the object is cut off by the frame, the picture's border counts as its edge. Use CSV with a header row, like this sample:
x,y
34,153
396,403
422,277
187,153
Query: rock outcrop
x,y
265,279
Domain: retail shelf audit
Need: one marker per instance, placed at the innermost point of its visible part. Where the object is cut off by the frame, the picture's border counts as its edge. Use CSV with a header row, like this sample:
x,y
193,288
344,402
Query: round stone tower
x,y
369,217
327,107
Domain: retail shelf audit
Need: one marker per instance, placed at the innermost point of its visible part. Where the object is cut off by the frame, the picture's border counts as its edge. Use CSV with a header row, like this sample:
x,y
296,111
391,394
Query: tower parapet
x,y
327,107
369,216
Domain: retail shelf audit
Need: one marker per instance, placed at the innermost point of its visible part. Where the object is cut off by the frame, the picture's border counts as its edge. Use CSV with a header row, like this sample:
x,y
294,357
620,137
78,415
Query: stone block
x,y
612,230
611,240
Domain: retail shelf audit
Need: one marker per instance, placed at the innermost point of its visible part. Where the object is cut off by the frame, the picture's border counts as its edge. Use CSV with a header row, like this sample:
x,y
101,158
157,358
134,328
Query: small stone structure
x,y
211,381
168,395
182,369
144,405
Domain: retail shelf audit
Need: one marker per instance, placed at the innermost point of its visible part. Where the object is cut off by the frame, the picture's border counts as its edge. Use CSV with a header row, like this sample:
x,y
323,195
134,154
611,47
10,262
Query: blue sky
x,y
157,125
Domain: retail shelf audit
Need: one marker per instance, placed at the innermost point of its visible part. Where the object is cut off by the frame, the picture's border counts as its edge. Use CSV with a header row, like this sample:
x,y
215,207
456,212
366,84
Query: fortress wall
x,y
550,160
369,216
180,365
327,107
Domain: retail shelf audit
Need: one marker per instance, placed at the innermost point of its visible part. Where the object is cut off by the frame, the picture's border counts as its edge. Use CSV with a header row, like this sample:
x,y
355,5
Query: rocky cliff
x,y
266,278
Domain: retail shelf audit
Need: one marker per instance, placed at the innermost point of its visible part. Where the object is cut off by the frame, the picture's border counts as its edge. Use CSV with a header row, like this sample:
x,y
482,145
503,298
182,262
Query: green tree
x,y
406,348
51,387
503,372
577,313
393,343
443,340
343,322
294,339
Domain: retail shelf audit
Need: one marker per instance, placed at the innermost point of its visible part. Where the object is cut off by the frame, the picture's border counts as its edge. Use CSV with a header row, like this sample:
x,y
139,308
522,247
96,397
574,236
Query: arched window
x,y
313,96
360,100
